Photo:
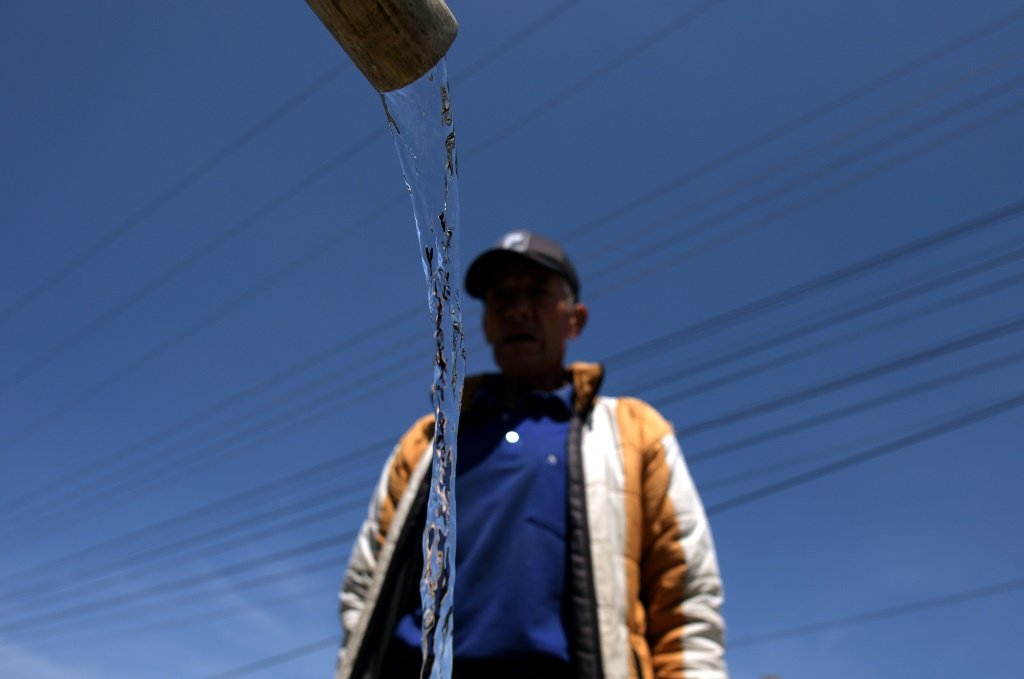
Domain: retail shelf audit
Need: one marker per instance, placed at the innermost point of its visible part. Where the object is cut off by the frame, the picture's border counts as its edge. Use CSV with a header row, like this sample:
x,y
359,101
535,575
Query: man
x,y
583,549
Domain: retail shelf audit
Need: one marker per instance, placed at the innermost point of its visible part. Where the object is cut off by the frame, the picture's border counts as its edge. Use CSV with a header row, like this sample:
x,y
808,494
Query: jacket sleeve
x,y
680,582
365,562
362,563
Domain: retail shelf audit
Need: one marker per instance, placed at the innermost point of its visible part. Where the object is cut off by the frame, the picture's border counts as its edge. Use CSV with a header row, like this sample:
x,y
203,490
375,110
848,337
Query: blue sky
x,y
212,323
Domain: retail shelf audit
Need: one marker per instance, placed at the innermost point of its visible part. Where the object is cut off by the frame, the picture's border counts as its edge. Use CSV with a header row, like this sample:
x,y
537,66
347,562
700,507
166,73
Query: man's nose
x,y
518,306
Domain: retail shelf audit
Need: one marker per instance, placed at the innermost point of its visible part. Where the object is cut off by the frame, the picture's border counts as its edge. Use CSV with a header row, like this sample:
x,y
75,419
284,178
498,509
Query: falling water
x,y
421,122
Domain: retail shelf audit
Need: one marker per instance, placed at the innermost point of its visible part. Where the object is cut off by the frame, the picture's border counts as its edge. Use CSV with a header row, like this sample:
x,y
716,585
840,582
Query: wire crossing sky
x,y
799,228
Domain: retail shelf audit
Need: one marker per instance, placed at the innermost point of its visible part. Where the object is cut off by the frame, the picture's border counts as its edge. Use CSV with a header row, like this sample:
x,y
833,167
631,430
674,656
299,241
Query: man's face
x,y
528,319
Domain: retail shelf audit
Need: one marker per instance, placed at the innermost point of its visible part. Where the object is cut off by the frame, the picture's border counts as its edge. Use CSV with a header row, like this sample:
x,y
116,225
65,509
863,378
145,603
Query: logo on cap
x,y
517,241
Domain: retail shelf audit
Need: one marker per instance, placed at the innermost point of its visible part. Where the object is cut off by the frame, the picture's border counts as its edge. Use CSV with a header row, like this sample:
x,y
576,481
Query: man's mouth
x,y
518,337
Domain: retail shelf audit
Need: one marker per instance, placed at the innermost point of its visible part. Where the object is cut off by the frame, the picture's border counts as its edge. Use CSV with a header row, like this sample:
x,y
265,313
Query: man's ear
x,y
578,319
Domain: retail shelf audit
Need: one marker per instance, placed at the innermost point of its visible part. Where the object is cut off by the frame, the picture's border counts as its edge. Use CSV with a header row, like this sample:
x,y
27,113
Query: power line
x,y
745,149
257,525
635,50
798,330
513,40
800,425
882,368
877,370
803,352
973,417
172,191
174,466
846,411
172,272
674,259
204,512
262,604
957,423
318,250
331,641
818,284
56,629
682,20
142,465
170,586
174,472
879,614
42,493
616,246
200,170
876,615
194,257
256,436
716,323
108,494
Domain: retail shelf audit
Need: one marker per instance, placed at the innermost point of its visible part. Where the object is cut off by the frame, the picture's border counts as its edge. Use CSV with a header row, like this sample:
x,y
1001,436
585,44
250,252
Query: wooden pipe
x,y
393,42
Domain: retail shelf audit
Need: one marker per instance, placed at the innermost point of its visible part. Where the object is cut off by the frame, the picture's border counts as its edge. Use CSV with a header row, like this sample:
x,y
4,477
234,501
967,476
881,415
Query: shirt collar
x,y
559,401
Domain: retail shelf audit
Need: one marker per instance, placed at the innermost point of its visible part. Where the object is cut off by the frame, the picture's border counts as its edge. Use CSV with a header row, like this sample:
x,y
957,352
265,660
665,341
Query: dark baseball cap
x,y
520,243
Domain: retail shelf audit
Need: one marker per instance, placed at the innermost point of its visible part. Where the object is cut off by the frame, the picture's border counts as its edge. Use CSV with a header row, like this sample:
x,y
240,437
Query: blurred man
x,y
583,549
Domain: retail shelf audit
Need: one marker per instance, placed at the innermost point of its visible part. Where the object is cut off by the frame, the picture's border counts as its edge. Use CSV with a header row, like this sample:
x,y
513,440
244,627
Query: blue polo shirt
x,y
511,505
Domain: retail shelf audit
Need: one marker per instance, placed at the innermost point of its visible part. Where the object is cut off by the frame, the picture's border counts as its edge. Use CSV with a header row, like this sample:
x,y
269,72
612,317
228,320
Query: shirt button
x,y
552,459
512,437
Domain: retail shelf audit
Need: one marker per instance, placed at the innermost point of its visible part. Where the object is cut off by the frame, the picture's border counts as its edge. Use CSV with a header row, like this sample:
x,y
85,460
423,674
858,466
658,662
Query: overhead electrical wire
x,y
804,352
238,444
902,293
142,465
176,188
90,394
850,409
880,614
891,76
874,371
330,504
198,254
119,612
850,378
972,417
43,493
330,641
138,485
707,485
876,615
975,416
671,27
826,281
894,75
199,171
845,273
671,258
217,314
616,246
261,494
795,330
22,625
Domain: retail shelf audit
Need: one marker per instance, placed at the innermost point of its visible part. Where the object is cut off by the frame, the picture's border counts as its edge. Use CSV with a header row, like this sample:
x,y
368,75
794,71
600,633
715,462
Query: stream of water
x,y
421,123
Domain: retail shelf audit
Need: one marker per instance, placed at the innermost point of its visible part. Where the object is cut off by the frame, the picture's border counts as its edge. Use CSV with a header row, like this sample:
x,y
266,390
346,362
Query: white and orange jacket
x,y
644,585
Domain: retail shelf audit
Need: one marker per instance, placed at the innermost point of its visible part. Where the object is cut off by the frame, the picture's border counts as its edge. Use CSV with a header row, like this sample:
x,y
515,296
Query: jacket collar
x,y
585,378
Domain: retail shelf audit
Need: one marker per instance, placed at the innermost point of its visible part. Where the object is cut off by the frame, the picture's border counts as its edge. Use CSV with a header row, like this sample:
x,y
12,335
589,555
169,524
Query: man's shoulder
x,y
414,442
639,416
